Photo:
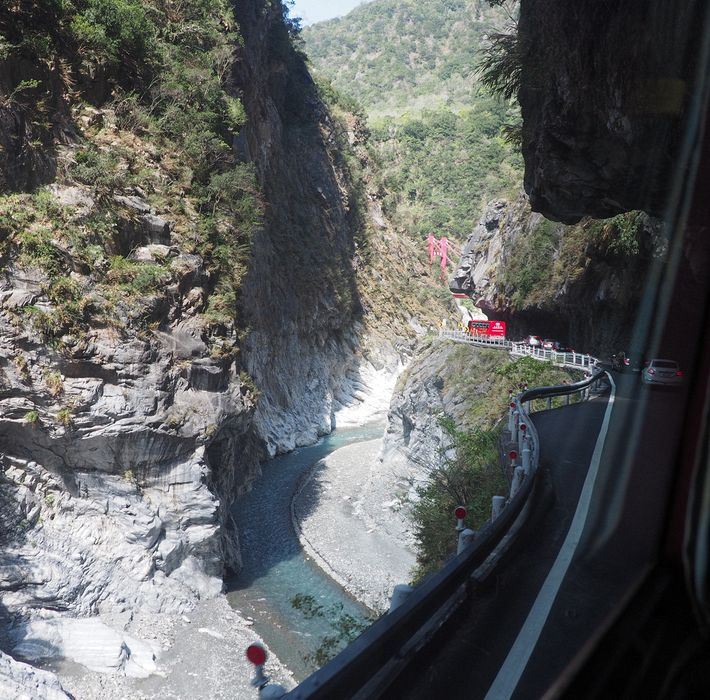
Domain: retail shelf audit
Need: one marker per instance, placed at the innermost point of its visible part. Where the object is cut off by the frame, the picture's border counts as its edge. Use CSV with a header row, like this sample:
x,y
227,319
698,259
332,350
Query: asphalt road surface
x,y
591,535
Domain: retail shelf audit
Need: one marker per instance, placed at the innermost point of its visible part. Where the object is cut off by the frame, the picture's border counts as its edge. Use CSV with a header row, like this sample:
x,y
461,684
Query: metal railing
x,y
572,360
561,359
480,340
368,666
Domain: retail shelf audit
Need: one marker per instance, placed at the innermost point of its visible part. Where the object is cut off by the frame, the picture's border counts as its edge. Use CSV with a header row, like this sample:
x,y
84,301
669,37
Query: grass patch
x,y
65,416
31,417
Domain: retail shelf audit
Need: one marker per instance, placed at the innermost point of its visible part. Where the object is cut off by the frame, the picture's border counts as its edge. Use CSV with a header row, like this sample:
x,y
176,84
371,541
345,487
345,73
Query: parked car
x,y
662,373
549,344
563,348
534,341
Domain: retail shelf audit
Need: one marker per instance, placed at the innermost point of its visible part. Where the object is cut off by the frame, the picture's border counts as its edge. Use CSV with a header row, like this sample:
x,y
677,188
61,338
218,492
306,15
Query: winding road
x,y
592,533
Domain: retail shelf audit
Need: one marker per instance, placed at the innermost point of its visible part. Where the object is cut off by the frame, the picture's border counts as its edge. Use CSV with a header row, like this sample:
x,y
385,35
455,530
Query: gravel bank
x,y
202,658
349,515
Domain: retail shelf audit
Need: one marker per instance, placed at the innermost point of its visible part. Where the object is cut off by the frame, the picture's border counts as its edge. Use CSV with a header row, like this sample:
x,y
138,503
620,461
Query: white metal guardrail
x,y
479,340
572,360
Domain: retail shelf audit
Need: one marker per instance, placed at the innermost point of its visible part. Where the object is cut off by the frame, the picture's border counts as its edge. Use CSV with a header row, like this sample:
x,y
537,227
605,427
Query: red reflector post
x,y
256,654
513,455
460,513
523,427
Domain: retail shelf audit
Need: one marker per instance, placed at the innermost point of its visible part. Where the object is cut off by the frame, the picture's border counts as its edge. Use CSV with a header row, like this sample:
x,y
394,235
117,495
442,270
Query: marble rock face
x,y
20,681
86,641
123,504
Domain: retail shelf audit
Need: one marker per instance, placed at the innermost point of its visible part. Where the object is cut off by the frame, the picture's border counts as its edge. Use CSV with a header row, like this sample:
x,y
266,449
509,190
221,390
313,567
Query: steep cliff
x,y
126,422
577,283
300,297
187,287
603,90
323,326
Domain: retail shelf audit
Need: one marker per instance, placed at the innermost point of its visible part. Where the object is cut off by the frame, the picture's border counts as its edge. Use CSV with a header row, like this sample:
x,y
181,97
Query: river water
x,y
275,568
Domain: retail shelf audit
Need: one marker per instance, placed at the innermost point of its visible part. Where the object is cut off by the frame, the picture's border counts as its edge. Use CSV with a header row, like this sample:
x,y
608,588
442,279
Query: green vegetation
x,y
54,383
440,168
394,56
98,169
345,627
548,255
137,278
474,474
158,71
501,64
116,37
528,266
471,479
65,416
618,236
31,417
438,139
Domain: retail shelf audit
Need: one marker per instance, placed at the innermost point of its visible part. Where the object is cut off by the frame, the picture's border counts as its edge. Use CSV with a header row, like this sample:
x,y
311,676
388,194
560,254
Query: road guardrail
x,y
572,360
369,664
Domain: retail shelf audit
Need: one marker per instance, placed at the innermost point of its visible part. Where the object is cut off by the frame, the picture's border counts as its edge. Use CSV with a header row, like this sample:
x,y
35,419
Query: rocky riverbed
x,y
351,513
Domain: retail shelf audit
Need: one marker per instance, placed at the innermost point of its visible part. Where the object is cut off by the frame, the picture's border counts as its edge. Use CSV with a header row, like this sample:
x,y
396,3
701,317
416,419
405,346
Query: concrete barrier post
x,y
517,482
466,537
548,403
527,454
400,593
514,431
497,505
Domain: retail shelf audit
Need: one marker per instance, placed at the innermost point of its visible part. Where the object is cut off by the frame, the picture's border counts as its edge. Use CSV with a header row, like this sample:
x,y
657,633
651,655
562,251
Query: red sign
x,y
493,329
496,329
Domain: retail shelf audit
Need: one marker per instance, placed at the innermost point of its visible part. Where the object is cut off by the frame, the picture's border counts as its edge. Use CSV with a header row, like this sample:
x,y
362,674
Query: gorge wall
x,y
578,283
187,288
300,299
604,91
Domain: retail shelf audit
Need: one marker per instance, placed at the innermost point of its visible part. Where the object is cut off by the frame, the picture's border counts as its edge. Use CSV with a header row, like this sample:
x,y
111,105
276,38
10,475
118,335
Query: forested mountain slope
x,y
436,134
396,56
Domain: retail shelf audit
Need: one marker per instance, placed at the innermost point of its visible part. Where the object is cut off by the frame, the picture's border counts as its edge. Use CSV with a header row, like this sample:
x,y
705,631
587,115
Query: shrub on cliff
x,y
471,473
470,476
160,126
116,34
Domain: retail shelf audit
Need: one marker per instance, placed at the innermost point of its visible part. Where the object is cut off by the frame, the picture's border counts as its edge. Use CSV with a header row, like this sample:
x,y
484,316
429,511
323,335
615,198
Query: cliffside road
x,y
516,635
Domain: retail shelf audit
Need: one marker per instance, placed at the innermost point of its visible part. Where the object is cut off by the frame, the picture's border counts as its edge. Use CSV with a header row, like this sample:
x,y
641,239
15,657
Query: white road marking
x,y
512,669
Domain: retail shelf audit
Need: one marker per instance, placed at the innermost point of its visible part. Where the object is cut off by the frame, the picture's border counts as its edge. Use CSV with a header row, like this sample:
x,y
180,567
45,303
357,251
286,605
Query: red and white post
x,y
256,654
